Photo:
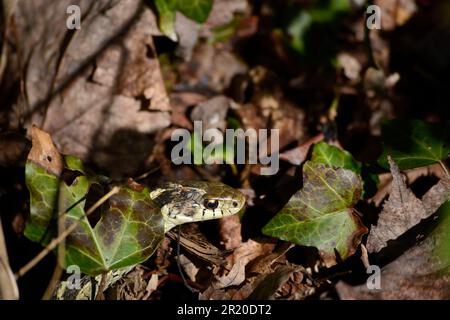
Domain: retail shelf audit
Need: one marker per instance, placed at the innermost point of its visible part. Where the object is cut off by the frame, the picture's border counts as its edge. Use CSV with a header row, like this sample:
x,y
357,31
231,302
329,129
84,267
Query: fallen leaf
x,y
189,267
403,209
44,153
299,154
421,272
237,262
267,288
230,232
92,90
212,113
350,65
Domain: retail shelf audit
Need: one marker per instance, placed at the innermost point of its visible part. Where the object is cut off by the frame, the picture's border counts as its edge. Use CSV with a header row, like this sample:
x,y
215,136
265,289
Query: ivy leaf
x,y
321,214
414,143
128,232
197,10
42,170
166,19
334,156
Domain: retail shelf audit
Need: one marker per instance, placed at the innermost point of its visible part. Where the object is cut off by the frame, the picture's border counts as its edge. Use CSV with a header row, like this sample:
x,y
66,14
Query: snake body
x,y
179,202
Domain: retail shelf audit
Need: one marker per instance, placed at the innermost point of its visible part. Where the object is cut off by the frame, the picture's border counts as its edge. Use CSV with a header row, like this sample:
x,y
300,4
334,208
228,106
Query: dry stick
x,y
101,288
179,262
52,245
57,273
444,167
146,174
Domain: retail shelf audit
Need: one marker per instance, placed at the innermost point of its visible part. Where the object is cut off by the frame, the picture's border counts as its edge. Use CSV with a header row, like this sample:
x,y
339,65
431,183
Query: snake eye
x,y
211,204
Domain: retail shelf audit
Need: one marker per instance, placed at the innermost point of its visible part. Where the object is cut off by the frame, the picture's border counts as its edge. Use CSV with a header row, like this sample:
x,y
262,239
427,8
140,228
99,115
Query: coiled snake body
x,y
179,202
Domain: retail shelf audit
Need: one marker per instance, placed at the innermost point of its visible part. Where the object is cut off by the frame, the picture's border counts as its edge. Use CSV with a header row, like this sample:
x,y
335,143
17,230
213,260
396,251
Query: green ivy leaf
x,y
43,187
414,143
166,19
321,214
333,156
128,232
197,10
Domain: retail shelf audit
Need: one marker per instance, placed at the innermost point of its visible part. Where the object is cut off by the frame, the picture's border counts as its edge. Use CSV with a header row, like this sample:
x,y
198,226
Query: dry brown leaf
x,y
212,113
44,153
411,175
93,90
230,232
417,274
189,268
237,262
298,155
395,13
210,68
403,210
267,288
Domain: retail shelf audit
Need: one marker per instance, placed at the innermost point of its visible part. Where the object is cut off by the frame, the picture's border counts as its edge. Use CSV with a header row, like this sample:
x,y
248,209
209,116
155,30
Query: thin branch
x,y
57,273
8,285
444,167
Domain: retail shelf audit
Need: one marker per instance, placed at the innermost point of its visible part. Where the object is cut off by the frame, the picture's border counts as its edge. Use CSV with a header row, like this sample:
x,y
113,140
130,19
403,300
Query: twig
x,y
444,167
179,263
57,273
8,285
146,174
101,288
52,245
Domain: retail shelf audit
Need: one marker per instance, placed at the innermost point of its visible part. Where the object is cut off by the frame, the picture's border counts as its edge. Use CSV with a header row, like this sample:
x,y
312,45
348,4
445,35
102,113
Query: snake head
x,y
192,201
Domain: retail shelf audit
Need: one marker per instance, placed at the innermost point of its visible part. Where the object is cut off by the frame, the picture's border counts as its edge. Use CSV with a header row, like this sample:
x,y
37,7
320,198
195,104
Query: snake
x,y
179,202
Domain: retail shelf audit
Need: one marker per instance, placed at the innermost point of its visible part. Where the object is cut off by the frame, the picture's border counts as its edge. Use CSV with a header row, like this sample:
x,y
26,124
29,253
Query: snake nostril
x,y
235,204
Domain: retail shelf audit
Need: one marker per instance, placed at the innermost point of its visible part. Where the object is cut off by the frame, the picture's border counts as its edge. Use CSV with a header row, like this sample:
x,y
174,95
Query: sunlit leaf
x,y
130,226
321,214
197,10
333,156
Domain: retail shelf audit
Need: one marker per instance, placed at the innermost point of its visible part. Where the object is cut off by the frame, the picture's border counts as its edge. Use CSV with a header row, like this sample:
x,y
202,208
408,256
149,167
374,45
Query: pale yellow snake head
x,y
191,201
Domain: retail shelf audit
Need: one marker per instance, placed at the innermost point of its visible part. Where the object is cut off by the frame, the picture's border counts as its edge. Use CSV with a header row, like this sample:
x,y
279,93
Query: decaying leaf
x,y
421,272
93,89
238,261
403,210
299,154
321,213
267,288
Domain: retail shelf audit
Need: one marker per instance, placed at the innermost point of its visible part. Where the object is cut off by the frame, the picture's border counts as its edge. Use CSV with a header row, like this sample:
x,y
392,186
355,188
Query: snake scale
x,y
179,202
